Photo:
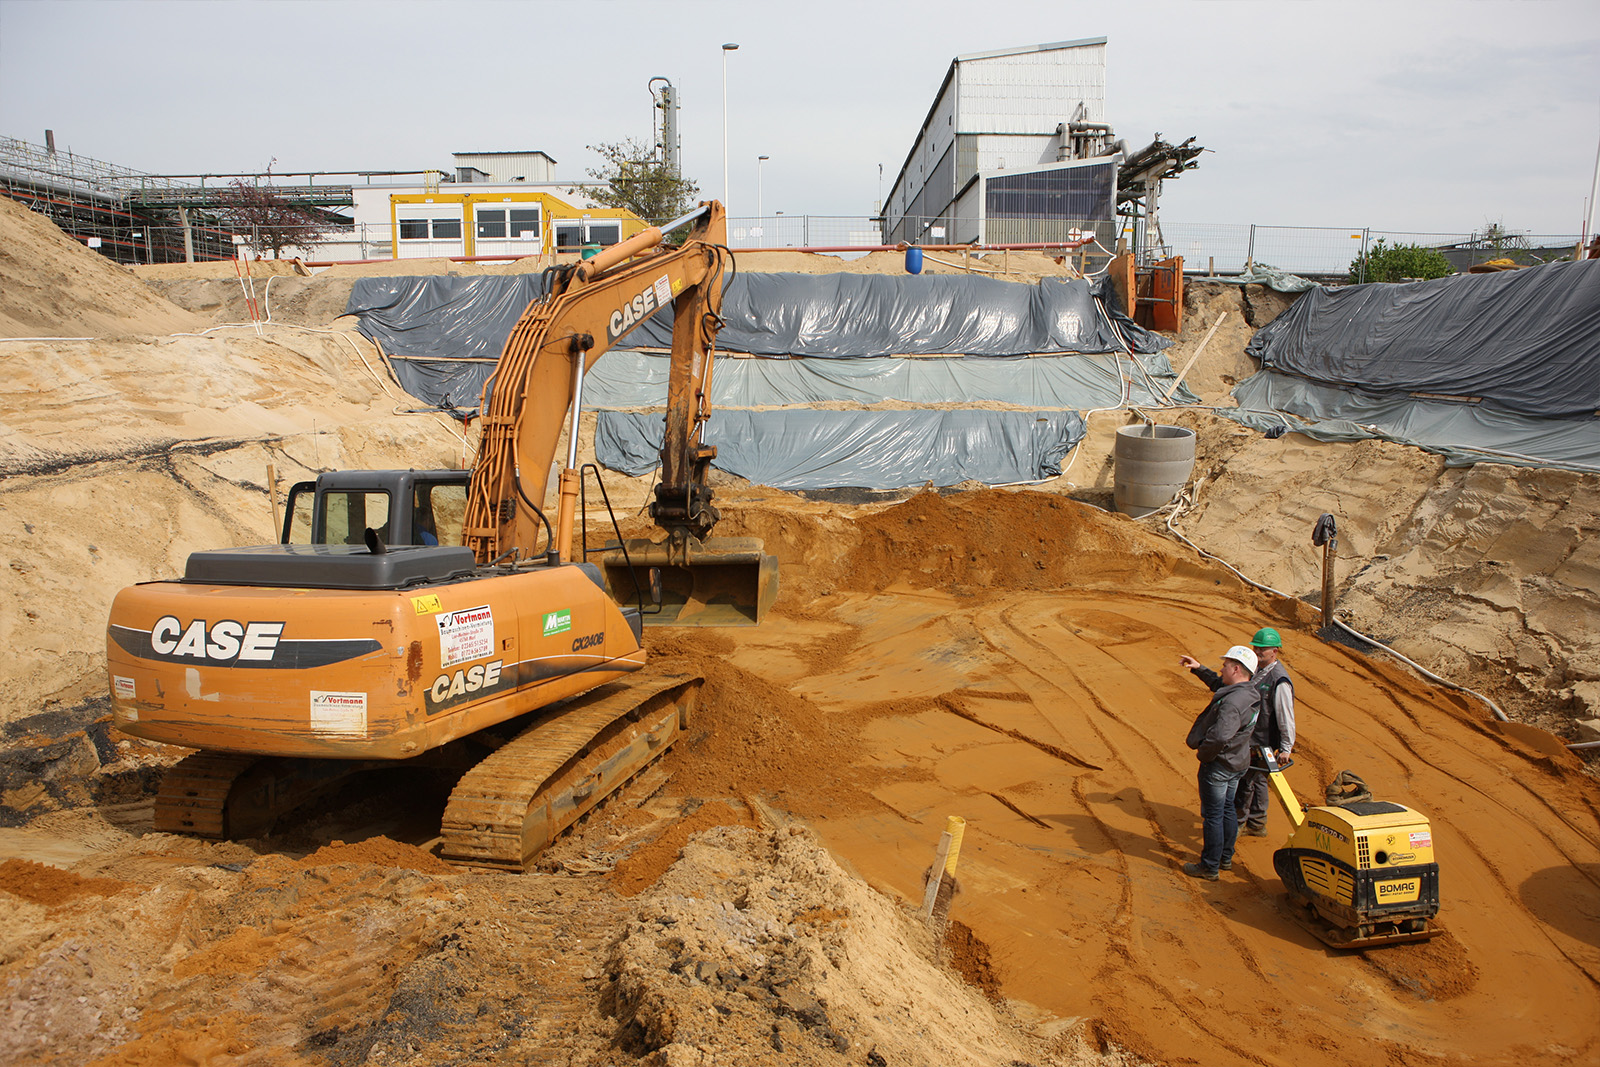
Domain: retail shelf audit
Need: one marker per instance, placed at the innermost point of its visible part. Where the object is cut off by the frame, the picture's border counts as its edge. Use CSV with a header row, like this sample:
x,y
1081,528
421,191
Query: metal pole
x,y
1361,271
730,47
1250,253
761,220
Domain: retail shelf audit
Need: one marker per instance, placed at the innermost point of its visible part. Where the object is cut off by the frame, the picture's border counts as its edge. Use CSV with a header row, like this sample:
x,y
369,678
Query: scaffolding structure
x,y
132,216
91,200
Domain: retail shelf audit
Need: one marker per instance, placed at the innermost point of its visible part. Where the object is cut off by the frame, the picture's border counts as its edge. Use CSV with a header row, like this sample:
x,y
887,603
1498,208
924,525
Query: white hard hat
x,y
1246,656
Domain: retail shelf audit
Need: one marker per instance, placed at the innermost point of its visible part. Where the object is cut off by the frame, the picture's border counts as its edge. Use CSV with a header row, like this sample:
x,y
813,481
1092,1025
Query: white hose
x,y
1179,505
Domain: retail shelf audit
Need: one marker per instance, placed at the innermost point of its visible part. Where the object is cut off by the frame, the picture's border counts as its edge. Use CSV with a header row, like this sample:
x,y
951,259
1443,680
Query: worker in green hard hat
x,y
1274,725
1274,730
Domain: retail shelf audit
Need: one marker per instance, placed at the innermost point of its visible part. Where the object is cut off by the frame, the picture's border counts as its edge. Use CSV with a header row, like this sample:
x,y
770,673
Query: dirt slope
x,y
52,286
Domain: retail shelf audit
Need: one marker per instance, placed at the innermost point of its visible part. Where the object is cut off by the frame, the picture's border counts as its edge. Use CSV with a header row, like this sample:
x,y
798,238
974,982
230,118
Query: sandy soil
x,y
1010,657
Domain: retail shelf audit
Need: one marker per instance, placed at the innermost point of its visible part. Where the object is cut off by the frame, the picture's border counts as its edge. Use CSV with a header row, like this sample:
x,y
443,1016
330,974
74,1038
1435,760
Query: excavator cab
x,y
403,507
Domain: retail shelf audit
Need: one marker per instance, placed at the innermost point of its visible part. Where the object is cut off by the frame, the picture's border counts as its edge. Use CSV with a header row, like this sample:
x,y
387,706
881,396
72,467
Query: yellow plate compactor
x,y
1359,872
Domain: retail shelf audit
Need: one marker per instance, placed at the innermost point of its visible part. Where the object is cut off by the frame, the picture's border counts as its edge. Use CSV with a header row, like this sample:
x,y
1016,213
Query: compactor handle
x,y
1280,786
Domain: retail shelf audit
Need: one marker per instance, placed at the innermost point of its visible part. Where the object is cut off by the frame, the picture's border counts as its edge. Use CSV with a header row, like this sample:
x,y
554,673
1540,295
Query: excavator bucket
x,y
721,581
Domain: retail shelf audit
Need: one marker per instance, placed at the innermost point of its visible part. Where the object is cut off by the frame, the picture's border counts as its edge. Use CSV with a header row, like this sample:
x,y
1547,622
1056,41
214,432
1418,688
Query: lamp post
x,y
761,220
725,50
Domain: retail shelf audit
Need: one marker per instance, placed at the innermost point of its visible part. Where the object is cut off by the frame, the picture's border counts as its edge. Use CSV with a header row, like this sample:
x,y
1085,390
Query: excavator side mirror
x,y
655,586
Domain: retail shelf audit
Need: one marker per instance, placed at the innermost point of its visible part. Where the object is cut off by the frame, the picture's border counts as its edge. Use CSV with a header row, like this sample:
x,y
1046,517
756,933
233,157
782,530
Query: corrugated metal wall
x,y
995,111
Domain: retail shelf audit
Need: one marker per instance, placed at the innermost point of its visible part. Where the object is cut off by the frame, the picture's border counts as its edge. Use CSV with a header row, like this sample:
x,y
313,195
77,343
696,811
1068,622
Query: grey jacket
x,y
1221,733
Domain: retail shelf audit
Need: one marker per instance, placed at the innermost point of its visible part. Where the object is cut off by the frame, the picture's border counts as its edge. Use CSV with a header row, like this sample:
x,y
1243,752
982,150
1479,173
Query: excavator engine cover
x,y
721,581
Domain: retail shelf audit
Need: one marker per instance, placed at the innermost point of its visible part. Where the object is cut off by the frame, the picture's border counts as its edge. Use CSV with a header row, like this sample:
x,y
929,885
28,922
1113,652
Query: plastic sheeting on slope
x,y
448,331
1525,341
858,449
440,326
1463,433
848,316
639,379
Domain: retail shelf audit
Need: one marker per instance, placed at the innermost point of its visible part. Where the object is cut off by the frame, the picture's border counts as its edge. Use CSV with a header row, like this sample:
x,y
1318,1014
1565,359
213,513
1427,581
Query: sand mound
x,y
755,948
52,286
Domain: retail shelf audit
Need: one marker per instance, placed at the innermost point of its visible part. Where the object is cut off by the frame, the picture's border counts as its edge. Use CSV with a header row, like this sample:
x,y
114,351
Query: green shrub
x,y
1393,263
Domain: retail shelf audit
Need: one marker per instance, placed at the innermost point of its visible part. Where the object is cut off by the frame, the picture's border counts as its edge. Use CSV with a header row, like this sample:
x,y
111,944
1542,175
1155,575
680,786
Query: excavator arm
x,y
537,388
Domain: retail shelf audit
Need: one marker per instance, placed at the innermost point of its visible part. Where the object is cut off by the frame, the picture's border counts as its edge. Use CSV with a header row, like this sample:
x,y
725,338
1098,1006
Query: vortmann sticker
x,y
338,714
122,687
465,635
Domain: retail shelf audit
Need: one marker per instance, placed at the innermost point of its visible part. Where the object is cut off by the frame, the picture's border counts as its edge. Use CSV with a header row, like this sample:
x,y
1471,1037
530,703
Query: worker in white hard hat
x,y
1274,724
1220,737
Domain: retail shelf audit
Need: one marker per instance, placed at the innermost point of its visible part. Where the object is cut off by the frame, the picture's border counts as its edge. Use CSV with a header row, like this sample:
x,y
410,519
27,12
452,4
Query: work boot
x,y
1254,829
1200,870
1225,865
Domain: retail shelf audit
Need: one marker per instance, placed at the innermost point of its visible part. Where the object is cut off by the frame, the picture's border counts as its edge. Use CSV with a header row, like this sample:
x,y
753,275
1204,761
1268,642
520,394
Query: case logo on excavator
x,y
229,643
222,642
451,688
641,307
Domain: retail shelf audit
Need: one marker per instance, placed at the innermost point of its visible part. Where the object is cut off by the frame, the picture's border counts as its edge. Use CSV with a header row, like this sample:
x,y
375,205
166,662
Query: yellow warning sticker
x,y
427,605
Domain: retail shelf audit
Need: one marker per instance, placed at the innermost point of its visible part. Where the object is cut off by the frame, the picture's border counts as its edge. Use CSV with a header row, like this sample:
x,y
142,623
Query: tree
x,y
1392,263
270,221
640,183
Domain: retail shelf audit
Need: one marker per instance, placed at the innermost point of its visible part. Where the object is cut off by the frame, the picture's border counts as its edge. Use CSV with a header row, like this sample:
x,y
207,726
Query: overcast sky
x,y
1430,117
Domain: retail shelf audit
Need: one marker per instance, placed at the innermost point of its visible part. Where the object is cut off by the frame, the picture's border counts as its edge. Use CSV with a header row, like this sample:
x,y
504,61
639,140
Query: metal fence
x,y
1325,252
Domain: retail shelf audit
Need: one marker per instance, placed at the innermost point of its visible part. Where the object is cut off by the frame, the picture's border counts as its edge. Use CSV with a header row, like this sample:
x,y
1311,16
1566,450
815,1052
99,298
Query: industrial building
x,y
1014,149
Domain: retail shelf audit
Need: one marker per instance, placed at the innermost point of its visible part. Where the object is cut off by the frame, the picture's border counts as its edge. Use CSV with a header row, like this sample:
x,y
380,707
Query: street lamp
x,y
725,50
761,220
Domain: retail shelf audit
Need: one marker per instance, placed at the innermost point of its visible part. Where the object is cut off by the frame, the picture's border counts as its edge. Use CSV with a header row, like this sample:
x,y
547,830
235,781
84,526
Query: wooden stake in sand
x,y
272,484
1179,380
943,871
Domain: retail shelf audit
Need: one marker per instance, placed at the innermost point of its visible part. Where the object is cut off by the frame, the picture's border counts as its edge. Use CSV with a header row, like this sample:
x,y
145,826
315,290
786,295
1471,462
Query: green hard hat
x,y
1266,637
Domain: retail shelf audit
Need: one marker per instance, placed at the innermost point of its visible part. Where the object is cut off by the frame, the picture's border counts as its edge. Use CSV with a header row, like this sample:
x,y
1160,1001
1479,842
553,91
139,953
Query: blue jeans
x,y
1218,820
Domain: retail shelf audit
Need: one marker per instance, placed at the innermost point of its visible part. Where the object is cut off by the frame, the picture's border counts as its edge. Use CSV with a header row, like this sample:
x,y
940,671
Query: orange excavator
x,y
438,619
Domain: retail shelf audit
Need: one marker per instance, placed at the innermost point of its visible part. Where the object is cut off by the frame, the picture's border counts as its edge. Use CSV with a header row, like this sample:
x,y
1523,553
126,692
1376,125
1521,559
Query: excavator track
x,y
516,802
226,796
193,797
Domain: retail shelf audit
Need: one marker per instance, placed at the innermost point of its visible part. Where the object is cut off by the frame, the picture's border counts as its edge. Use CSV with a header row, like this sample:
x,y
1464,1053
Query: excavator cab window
x,y
437,511
297,516
347,513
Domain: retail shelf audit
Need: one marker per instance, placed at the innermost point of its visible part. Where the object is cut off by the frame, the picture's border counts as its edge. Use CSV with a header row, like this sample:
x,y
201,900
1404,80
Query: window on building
x,y
573,234
426,229
524,222
491,222
569,235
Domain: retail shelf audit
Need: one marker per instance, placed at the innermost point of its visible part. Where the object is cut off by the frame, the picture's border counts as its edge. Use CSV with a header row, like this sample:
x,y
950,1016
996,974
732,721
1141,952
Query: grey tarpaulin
x,y
1463,433
866,449
447,331
639,379
849,316
1269,276
437,323
1525,341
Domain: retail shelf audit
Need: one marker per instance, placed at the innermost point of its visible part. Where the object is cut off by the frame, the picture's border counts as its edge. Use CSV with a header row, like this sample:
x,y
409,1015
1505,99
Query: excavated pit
x,y
1007,656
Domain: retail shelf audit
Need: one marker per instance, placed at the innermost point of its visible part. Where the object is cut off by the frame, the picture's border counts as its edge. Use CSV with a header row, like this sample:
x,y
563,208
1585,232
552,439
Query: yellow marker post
x,y
944,862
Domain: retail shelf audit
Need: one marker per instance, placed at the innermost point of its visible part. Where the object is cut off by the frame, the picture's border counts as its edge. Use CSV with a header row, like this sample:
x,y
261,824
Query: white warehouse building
x,y
1015,149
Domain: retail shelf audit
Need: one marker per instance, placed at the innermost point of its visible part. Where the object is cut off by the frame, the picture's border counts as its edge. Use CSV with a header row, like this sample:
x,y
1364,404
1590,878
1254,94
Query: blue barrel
x,y
913,260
